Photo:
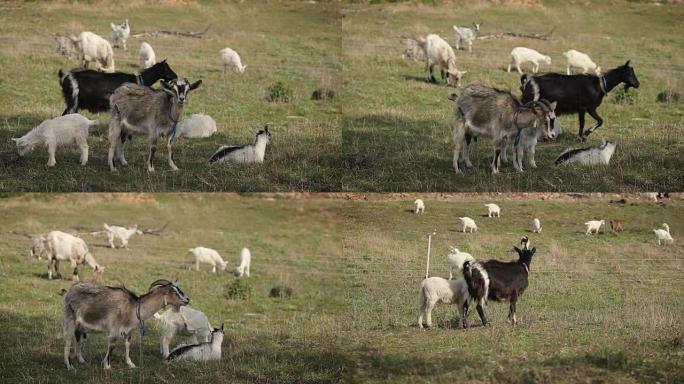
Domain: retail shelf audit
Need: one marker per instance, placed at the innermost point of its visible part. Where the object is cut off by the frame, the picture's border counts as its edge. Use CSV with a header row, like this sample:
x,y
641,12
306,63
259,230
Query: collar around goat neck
x,y
140,80
603,85
527,269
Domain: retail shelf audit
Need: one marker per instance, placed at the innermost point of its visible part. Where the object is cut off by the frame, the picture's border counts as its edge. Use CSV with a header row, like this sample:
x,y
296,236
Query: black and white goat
x,y
90,90
498,281
579,94
250,153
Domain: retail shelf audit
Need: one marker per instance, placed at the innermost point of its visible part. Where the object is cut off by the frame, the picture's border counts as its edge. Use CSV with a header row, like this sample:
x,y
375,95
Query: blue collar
x,y
517,136
140,80
173,131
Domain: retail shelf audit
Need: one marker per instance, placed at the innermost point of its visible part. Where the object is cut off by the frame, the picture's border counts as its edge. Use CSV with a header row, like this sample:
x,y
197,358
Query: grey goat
x,y
113,310
481,110
155,112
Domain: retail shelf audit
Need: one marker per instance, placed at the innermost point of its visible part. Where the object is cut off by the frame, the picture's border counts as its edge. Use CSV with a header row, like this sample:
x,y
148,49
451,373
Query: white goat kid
x,y
146,56
251,153
455,260
594,226
208,256
536,226
468,224
580,60
114,232
521,55
120,33
197,126
435,290
231,59
62,246
207,351
95,49
245,263
466,35
185,321
663,235
420,206
493,210
53,133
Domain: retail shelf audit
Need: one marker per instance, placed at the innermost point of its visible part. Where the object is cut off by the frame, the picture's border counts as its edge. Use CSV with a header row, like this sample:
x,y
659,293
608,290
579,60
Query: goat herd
x,y
135,106
117,312
493,280
520,122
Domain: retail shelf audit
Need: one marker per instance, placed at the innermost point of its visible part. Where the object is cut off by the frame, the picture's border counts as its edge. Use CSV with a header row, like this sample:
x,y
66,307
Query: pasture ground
x,y
396,128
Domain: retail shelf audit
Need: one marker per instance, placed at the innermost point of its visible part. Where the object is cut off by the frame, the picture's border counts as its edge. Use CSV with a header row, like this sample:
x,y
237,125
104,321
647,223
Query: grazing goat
x,y
582,61
520,55
197,126
455,260
114,232
116,311
435,290
61,246
53,133
590,155
525,242
232,60
90,90
481,110
251,153
439,52
95,49
493,210
210,350
414,49
120,33
616,225
663,235
468,223
245,263
594,226
536,226
38,247
466,35
498,281
209,256
420,206
150,111
185,321
579,94
68,46
146,56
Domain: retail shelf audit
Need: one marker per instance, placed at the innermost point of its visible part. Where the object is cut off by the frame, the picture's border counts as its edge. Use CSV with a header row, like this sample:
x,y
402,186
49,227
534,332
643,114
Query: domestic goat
x,y
466,35
203,351
185,321
439,52
434,290
114,232
520,55
146,56
197,126
498,281
250,153
68,46
527,143
61,246
245,263
116,311
91,90
590,155
468,223
96,50
209,256
38,247
414,49
481,110
455,260
536,226
616,225
493,210
154,112
525,242
579,94
594,226
580,60
232,60
53,133
663,235
120,33
420,206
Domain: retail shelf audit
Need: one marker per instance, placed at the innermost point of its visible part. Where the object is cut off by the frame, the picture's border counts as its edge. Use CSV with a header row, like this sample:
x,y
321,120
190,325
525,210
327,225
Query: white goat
x,y
439,52
536,226
663,235
38,249
146,56
589,156
120,33
185,321
245,263
520,55
210,350
435,290
52,133
420,206
594,226
209,256
97,50
580,60
62,246
468,223
114,232
455,260
414,49
466,35
251,153
68,47
231,59
493,210
197,126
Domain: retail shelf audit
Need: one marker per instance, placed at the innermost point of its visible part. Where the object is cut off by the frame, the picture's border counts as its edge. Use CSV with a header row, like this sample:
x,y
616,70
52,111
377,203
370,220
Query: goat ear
x,y
517,249
195,85
221,327
533,250
553,106
627,63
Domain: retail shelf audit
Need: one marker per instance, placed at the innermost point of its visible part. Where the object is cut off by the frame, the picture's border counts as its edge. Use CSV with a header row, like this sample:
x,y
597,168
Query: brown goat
x,y
616,225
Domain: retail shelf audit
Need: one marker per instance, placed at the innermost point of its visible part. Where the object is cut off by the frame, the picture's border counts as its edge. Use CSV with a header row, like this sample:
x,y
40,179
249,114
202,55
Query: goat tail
x,y
423,296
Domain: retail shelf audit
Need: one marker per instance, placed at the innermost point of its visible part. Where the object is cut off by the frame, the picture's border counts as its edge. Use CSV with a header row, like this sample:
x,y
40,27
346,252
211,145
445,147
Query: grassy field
x,y
396,127
604,308
293,42
294,242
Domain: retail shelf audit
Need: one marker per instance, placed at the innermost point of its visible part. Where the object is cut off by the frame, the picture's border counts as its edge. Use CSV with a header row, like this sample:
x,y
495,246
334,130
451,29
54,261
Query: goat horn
x,y
160,282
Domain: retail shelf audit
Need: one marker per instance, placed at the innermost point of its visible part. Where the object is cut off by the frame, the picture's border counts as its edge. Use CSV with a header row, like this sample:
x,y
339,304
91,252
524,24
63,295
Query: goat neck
x,y
609,80
150,303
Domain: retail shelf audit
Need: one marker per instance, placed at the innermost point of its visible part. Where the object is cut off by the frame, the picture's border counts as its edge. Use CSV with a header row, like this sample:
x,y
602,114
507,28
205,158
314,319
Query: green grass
x,y
603,308
294,243
293,42
396,127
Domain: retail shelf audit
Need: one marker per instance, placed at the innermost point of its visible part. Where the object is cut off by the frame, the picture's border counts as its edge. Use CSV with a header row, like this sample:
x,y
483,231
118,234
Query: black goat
x,y
498,281
577,93
90,90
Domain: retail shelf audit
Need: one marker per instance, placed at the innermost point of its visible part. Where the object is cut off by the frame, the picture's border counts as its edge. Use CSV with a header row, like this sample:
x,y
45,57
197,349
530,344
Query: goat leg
x,y
169,146
480,311
581,125
459,138
150,157
464,317
599,121
496,161
107,362
127,346
511,313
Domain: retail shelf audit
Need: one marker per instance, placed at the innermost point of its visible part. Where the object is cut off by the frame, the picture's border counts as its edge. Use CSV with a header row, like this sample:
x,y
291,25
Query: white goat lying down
x,y
594,226
197,126
590,155
184,321
206,351
209,256
53,133
114,232
251,153
245,262
663,235
435,290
